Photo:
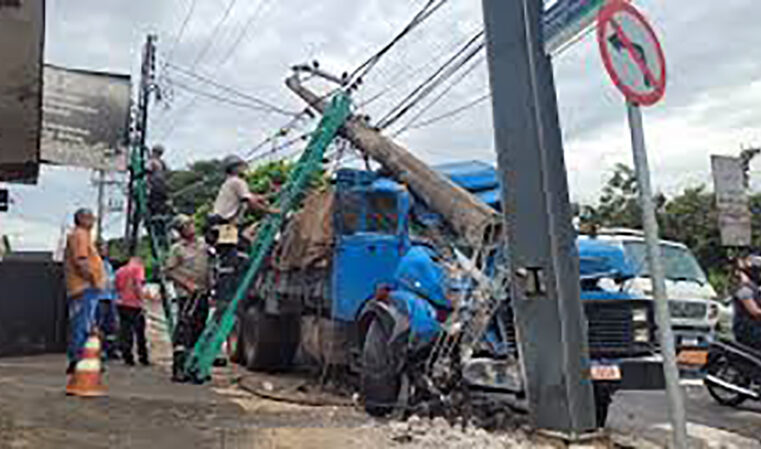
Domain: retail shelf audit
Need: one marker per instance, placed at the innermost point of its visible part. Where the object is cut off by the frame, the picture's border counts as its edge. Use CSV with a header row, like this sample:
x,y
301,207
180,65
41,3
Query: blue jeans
x,y
107,320
81,319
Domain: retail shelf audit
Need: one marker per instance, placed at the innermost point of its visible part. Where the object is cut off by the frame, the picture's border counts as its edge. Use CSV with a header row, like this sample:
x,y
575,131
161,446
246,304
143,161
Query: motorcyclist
x,y
747,302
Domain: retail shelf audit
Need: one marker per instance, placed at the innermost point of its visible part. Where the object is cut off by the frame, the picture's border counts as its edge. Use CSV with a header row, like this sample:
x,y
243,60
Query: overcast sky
x,y
711,102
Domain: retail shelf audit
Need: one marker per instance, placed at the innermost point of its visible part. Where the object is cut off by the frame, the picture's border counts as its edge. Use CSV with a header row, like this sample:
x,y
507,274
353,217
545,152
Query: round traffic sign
x,y
631,53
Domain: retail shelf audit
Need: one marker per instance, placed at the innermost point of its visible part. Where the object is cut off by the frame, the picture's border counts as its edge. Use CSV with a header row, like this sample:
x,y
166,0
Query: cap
x,y
181,221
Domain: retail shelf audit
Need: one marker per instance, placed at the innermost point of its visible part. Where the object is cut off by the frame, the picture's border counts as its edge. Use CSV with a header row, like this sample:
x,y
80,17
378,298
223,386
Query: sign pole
x,y
663,317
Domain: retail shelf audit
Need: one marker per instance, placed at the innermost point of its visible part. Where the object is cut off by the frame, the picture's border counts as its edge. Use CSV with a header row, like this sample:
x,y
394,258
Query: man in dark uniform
x,y
747,303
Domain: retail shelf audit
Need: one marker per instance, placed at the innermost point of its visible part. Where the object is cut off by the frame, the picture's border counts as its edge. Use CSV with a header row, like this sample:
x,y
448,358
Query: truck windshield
x,y
678,263
368,212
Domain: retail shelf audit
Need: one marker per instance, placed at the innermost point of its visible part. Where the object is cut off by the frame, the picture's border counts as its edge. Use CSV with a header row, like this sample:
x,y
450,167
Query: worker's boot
x,y
178,365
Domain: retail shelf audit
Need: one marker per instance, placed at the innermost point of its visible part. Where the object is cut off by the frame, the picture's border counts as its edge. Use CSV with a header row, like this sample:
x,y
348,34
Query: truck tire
x,y
380,381
269,342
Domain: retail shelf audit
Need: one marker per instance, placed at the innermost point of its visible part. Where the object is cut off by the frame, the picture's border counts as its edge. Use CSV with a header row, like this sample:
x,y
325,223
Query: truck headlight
x,y
641,335
713,311
639,315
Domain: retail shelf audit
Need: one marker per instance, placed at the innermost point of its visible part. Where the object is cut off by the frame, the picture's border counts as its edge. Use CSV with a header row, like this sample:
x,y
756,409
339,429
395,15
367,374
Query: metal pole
x,y
545,273
662,314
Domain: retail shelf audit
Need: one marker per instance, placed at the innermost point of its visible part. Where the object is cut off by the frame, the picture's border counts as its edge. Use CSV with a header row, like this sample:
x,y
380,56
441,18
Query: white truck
x,y
692,300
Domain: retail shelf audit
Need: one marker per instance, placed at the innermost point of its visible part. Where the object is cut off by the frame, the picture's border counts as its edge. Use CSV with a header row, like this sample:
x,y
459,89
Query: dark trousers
x,y
191,319
131,325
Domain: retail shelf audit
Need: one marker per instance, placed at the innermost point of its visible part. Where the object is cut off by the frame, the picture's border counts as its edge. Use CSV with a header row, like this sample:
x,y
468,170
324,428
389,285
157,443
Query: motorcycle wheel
x,y
380,381
724,370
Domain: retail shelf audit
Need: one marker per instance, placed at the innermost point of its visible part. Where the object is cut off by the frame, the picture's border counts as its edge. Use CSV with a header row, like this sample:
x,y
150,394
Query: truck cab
x,y
692,300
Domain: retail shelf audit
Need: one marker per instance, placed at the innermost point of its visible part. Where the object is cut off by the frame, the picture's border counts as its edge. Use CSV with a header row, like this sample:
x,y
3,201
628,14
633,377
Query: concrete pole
x,y
662,314
468,216
545,289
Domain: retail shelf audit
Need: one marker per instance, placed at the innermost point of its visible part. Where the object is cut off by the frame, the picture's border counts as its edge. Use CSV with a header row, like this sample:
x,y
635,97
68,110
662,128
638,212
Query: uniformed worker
x,y
747,302
187,266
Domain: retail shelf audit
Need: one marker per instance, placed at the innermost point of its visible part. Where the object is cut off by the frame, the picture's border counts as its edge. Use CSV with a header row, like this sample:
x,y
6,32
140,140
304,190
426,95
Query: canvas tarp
x,y
307,241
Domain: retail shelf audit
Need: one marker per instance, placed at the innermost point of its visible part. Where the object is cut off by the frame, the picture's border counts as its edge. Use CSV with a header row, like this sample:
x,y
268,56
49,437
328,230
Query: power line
x,y
210,38
180,33
441,95
449,68
243,33
231,90
428,9
219,98
451,113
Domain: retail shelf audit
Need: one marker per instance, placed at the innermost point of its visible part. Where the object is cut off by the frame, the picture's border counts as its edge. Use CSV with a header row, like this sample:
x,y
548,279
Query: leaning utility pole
x,y
544,265
467,216
139,131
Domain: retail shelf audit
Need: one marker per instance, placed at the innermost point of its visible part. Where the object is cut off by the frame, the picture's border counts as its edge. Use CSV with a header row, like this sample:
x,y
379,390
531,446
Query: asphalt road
x,y
646,413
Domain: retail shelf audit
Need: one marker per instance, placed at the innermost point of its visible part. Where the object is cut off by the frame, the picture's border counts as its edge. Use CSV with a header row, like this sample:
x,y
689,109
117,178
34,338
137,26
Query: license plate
x,y
690,342
605,372
692,357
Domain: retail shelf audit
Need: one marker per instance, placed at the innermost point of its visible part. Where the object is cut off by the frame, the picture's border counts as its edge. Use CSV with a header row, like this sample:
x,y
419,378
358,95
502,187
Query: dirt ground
x,y
144,409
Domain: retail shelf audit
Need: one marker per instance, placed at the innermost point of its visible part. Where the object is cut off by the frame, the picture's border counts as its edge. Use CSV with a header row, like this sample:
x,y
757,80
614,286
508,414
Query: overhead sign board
x,y
22,30
85,118
731,201
631,53
565,20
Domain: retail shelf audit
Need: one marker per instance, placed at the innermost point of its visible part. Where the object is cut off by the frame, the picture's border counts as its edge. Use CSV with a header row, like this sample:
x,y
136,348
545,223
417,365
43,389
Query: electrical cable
x,y
452,112
363,69
219,98
441,95
472,47
214,31
229,89
180,33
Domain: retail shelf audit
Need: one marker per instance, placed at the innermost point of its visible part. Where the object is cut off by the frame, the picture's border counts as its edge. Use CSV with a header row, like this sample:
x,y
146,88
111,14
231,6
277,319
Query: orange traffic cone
x,y
86,380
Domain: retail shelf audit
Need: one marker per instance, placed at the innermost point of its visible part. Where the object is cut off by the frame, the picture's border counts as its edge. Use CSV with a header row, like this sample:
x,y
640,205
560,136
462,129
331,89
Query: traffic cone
x,y
86,380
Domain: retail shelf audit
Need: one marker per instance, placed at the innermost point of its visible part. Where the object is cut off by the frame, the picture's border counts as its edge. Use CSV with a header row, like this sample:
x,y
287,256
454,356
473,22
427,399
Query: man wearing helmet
x,y
234,195
188,267
747,302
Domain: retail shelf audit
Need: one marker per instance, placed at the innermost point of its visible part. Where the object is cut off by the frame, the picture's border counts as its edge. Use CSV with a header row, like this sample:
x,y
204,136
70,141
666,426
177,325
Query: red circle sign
x,y
631,53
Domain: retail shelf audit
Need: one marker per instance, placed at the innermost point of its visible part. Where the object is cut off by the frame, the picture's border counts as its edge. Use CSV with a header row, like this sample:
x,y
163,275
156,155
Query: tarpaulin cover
x,y
599,257
308,237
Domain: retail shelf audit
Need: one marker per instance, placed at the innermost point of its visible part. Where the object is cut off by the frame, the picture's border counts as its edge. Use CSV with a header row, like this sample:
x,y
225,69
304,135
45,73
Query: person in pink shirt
x,y
130,283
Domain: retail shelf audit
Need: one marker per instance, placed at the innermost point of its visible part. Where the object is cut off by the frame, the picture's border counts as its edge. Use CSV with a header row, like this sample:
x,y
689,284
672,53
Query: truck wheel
x,y
380,381
269,342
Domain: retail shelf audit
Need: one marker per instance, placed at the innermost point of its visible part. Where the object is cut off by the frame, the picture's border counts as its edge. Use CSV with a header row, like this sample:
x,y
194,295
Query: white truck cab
x,y
692,300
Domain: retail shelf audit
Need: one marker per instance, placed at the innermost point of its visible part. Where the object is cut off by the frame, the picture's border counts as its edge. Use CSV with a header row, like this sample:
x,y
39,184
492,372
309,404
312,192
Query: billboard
x,y
731,201
22,30
85,118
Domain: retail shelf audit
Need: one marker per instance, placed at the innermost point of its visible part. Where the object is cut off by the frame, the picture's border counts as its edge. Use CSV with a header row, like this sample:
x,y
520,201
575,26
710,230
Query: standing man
x,y
158,197
747,303
106,315
130,282
85,279
188,267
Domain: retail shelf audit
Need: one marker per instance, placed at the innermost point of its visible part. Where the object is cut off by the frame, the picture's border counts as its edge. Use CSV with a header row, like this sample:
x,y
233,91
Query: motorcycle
x,y
733,373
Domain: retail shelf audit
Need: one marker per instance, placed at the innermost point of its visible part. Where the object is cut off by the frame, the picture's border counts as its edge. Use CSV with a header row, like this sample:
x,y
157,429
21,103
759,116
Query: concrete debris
x,y
420,433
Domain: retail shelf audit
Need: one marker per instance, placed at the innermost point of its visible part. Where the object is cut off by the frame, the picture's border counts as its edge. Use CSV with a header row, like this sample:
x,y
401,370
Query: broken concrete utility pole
x,y
477,223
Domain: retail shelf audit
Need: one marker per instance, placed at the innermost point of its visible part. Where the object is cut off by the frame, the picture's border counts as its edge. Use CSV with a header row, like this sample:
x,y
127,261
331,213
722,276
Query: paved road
x,y
647,413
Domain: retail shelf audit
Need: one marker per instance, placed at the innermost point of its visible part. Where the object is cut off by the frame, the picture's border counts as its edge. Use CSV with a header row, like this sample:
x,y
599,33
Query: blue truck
x,y
352,284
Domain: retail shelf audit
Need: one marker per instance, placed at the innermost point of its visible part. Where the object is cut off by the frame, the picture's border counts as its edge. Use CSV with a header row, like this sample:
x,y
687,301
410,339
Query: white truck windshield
x,y
678,263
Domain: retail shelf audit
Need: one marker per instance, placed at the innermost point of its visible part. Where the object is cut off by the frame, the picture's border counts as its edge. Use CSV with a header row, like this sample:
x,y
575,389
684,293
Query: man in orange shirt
x,y
85,279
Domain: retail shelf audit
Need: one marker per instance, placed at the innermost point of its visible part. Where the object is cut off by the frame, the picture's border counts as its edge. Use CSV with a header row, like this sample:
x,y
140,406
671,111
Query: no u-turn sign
x,y
631,53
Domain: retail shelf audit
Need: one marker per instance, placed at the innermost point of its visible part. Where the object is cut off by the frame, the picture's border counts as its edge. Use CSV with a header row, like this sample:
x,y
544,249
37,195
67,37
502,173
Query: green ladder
x,y
198,365
157,252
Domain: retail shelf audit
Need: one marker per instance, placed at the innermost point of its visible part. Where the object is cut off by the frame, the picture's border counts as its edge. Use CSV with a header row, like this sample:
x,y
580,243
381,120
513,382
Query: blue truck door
x,y
360,263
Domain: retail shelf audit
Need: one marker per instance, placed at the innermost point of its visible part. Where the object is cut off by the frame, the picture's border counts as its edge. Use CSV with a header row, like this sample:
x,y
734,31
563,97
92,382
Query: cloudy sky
x,y
711,102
